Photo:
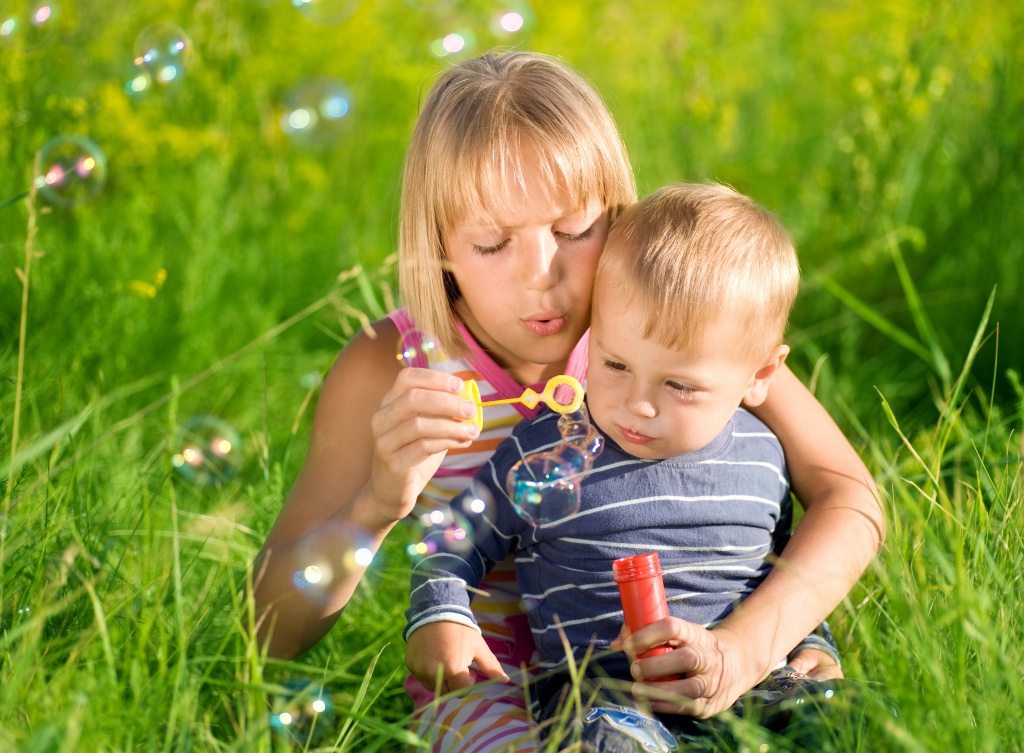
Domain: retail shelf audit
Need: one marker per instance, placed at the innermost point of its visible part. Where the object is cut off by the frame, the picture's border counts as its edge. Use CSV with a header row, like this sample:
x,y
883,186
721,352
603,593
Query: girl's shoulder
x,y
366,367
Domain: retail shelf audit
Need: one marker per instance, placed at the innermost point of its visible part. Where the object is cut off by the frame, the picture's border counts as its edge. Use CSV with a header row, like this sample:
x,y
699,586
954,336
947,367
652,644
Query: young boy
x,y
691,299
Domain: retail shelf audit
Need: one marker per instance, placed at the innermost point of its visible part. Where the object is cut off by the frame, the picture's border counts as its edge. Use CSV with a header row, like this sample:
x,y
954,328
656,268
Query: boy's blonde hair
x,y
478,120
694,255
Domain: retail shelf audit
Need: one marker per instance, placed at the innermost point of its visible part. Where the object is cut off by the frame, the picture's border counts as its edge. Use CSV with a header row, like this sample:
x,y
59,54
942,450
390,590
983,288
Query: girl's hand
x,y
714,667
449,649
417,423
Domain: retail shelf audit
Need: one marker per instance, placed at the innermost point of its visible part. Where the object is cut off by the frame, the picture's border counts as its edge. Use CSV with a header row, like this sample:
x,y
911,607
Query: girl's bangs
x,y
477,189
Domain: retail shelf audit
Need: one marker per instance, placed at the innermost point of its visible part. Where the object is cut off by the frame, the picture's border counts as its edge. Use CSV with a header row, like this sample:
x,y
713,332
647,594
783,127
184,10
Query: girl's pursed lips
x,y
545,326
543,316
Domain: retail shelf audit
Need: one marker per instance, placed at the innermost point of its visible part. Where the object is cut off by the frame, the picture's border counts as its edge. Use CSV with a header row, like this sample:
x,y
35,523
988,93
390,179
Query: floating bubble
x,y
34,26
302,711
416,349
163,52
545,486
529,604
315,112
511,18
73,170
340,550
443,527
326,11
311,379
207,451
455,43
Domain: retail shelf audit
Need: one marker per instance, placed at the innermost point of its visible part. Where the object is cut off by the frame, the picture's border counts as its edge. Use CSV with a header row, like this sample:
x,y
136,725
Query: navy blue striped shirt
x,y
717,517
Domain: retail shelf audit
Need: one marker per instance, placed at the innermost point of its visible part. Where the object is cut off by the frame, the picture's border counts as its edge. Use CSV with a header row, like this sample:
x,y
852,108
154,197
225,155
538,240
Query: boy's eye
x,y
614,365
680,389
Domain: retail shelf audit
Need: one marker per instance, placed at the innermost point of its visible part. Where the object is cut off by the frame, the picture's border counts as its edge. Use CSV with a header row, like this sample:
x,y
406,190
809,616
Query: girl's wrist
x,y
368,516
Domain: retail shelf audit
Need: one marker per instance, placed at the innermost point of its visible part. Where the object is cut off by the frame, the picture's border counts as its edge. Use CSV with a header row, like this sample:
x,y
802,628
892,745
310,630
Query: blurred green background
x,y
886,135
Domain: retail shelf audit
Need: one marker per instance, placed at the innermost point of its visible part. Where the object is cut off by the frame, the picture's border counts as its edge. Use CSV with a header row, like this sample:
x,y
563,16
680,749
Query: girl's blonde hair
x,y
694,255
479,119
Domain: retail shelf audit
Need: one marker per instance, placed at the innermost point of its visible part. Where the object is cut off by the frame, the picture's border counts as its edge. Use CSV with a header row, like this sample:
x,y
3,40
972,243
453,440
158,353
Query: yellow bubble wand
x,y
529,398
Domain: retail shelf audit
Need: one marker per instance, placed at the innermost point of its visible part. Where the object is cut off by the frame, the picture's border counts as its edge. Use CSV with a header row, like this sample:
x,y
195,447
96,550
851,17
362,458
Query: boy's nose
x,y
640,406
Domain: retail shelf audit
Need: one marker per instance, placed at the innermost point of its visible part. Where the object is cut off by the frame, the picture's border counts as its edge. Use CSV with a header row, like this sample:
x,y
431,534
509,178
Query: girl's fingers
x,y
426,379
422,436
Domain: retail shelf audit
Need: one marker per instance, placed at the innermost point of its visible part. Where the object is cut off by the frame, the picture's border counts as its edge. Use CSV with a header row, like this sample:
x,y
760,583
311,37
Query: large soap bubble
x,y
511,17
207,451
338,550
545,486
33,27
163,53
72,170
302,711
315,112
417,349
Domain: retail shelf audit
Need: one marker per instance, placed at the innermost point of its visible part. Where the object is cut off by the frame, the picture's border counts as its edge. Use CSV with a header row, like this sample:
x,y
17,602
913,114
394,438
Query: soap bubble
x,y
545,486
326,11
455,43
35,26
207,451
73,170
417,349
443,527
315,112
529,604
163,52
311,380
302,711
340,549
510,18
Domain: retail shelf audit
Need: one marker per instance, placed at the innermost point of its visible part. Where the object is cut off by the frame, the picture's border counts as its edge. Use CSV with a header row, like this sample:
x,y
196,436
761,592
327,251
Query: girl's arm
x,y
840,532
379,434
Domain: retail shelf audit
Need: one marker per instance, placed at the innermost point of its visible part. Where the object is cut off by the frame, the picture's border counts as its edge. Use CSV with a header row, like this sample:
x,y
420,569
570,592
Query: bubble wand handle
x,y
529,398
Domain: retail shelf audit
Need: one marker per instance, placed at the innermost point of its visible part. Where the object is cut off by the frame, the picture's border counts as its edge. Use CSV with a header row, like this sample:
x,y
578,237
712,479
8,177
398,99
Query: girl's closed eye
x,y
485,250
576,236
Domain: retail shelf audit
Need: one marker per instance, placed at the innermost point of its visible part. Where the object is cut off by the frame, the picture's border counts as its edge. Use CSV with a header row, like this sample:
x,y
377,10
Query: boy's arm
x,y
443,637
441,655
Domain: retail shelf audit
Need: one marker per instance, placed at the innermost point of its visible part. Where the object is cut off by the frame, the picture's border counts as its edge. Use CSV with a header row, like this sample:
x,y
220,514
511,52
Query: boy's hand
x,y
816,664
450,649
713,665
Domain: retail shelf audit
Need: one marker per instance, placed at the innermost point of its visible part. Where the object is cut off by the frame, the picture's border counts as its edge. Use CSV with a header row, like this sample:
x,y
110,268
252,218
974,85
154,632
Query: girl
x,y
514,173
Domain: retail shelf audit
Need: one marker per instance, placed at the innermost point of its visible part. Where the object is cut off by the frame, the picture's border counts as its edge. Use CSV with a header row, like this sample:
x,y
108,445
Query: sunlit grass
x,y
212,276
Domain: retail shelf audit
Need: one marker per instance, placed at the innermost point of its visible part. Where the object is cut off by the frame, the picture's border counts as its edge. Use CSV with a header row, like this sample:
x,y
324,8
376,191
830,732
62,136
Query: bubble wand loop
x,y
529,398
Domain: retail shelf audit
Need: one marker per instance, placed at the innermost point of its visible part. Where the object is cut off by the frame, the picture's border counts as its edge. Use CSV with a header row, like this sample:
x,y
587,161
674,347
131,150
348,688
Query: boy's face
x,y
657,402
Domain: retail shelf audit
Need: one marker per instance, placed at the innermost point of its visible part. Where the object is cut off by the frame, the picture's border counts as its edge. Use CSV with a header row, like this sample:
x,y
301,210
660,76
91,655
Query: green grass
x,y
886,135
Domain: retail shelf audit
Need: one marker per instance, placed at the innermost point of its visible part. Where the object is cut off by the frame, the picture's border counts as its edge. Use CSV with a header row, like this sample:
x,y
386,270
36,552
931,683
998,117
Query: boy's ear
x,y
757,390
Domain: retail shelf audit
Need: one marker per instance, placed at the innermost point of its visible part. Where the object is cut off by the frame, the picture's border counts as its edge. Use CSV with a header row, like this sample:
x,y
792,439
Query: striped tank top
x,y
459,466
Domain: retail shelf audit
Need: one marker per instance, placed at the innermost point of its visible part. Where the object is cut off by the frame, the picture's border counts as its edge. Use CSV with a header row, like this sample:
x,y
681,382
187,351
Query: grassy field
x,y
223,264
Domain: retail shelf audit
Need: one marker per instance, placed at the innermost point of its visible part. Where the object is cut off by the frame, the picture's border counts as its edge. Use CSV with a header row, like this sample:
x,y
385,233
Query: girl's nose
x,y
539,262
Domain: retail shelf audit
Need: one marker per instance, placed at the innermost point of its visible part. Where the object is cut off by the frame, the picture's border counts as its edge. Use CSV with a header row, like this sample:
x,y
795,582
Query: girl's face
x,y
526,273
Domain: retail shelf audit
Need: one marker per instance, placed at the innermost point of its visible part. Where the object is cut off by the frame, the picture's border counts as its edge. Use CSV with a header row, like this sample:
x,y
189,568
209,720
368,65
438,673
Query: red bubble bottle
x,y
642,591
